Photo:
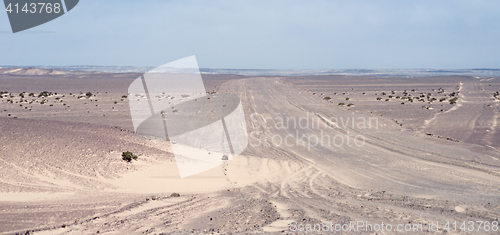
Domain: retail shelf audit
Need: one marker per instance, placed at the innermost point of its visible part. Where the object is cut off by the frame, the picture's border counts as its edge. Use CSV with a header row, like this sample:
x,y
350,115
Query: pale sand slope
x,y
397,176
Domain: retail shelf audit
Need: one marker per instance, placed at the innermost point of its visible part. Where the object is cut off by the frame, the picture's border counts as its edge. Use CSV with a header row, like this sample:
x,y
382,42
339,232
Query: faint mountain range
x,y
42,71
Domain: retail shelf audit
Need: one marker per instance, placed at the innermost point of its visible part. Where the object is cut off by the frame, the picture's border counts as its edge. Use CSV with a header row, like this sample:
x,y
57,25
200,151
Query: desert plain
x,y
343,149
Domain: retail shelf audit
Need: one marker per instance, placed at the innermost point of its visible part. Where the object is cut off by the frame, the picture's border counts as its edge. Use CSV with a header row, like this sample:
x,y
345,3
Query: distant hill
x,y
40,71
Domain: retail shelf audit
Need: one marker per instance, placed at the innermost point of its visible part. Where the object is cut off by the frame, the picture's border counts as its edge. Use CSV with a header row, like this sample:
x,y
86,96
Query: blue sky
x,y
311,34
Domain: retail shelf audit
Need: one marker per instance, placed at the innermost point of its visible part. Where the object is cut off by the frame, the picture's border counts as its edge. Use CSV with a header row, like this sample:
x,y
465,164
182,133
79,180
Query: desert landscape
x,y
415,153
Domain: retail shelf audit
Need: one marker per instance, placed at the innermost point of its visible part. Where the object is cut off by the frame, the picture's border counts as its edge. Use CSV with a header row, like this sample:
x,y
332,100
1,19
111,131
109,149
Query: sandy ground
x,y
61,170
473,119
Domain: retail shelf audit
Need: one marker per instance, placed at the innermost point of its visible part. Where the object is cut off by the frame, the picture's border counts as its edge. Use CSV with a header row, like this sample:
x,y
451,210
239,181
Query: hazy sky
x,y
309,34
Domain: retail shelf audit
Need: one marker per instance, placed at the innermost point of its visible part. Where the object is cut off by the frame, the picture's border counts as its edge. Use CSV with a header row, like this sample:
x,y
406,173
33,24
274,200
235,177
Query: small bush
x,y
175,195
45,93
128,156
341,103
327,98
347,98
89,94
350,104
124,96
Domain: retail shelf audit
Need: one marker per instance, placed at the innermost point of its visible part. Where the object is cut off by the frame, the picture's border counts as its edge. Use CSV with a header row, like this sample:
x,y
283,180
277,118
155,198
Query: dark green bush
x,y
128,156
45,93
